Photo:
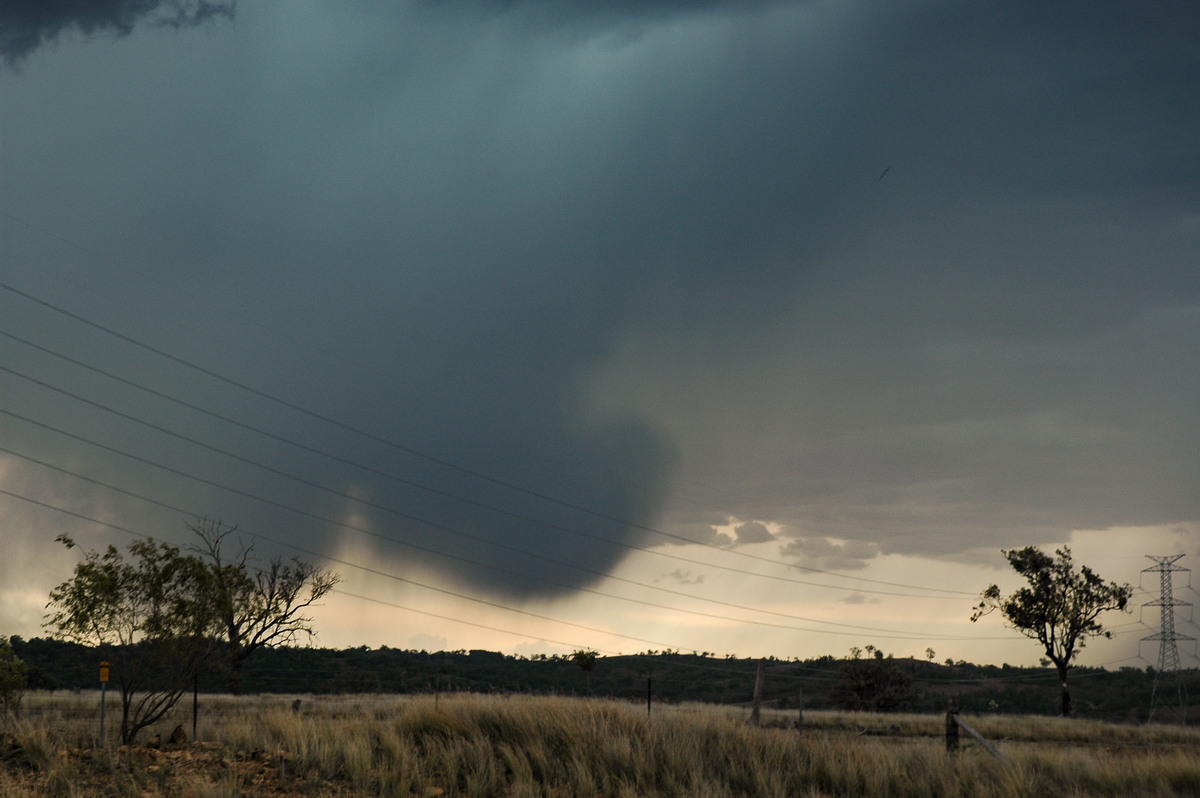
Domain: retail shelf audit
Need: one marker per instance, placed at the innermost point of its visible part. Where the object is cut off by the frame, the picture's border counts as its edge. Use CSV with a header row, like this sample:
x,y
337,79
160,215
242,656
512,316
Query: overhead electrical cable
x,y
400,480
464,621
400,513
428,457
144,536
351,527
377,572
356,566
366,569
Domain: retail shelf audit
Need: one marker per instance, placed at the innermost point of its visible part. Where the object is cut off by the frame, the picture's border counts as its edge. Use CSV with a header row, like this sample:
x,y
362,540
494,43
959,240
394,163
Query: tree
x,y
873,685
586,660
1059,606
12,678
151,616
258,607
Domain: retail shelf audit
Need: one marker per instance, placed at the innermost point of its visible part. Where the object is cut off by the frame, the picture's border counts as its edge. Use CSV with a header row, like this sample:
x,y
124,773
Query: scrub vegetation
x,y
853,682
475,745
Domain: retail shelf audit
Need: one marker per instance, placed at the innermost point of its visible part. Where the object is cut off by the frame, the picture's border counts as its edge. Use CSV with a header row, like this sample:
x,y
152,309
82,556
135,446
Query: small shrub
x,y
13,674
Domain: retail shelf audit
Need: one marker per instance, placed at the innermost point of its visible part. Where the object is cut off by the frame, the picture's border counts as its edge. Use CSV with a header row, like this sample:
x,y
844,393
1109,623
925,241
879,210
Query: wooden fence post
x,y
758,685
991,749
952,725
195,704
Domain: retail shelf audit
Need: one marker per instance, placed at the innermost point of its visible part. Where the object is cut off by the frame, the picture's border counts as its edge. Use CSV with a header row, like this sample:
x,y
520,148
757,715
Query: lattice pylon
x,y
1168,650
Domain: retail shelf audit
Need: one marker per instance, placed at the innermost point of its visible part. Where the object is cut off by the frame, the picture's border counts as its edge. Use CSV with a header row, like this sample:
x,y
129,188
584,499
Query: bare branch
x,y
259,607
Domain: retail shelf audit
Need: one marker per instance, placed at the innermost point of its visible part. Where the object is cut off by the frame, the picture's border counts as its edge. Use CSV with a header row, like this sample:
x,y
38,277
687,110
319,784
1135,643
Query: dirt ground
x,y
190,770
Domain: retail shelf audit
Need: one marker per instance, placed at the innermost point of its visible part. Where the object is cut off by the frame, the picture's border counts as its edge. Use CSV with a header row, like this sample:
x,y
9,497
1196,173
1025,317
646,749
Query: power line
x,y
463,621
400,480
427,457
348,564
459,620
384,508
890,633
314,414
144,536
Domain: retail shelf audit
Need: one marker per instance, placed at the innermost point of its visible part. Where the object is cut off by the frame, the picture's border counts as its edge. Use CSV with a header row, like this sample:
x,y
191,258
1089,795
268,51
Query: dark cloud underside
x,y
26,25
909,277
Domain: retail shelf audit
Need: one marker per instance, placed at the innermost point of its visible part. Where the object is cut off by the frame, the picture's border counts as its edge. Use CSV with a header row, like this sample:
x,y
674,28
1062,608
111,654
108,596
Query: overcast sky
x,y
499,304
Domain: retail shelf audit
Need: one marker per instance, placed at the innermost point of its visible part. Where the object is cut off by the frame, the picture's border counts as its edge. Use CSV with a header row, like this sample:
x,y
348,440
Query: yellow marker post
x,y
103,690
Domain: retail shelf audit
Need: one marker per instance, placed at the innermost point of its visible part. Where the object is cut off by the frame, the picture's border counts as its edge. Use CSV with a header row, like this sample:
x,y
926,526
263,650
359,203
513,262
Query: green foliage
x,y
873,685
586,660
151,616
157,614
13,676
159,594
1059,607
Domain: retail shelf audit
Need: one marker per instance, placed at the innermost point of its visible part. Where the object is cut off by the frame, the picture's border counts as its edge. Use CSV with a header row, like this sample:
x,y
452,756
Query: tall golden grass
x,y
525,746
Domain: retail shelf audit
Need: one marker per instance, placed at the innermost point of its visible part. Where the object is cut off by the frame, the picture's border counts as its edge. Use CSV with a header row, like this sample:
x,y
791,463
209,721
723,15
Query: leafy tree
x,y
586,660
151,616
873,685
257,606
1058,607
13,674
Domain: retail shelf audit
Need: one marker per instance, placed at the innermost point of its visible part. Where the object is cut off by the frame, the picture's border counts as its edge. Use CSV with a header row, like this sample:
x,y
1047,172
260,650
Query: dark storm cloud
x,y
26,25
563,9
587,264
956,326
752,532
829,555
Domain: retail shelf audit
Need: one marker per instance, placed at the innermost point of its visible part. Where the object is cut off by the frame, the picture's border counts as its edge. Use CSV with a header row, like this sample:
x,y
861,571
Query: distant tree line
x,y
819,683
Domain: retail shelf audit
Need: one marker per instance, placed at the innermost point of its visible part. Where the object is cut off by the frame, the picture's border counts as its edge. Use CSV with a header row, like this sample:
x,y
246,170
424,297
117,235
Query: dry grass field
x,y
525,746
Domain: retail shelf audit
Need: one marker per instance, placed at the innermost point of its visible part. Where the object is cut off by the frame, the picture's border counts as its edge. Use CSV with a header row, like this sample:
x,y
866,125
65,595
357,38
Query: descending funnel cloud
x,y
545,496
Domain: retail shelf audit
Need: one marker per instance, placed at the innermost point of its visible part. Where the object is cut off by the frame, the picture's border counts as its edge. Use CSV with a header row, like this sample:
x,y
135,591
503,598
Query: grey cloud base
x,y
639,261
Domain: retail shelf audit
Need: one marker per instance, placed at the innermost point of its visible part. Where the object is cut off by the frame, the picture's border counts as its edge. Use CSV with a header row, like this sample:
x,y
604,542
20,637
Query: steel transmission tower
x,y
1168,652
